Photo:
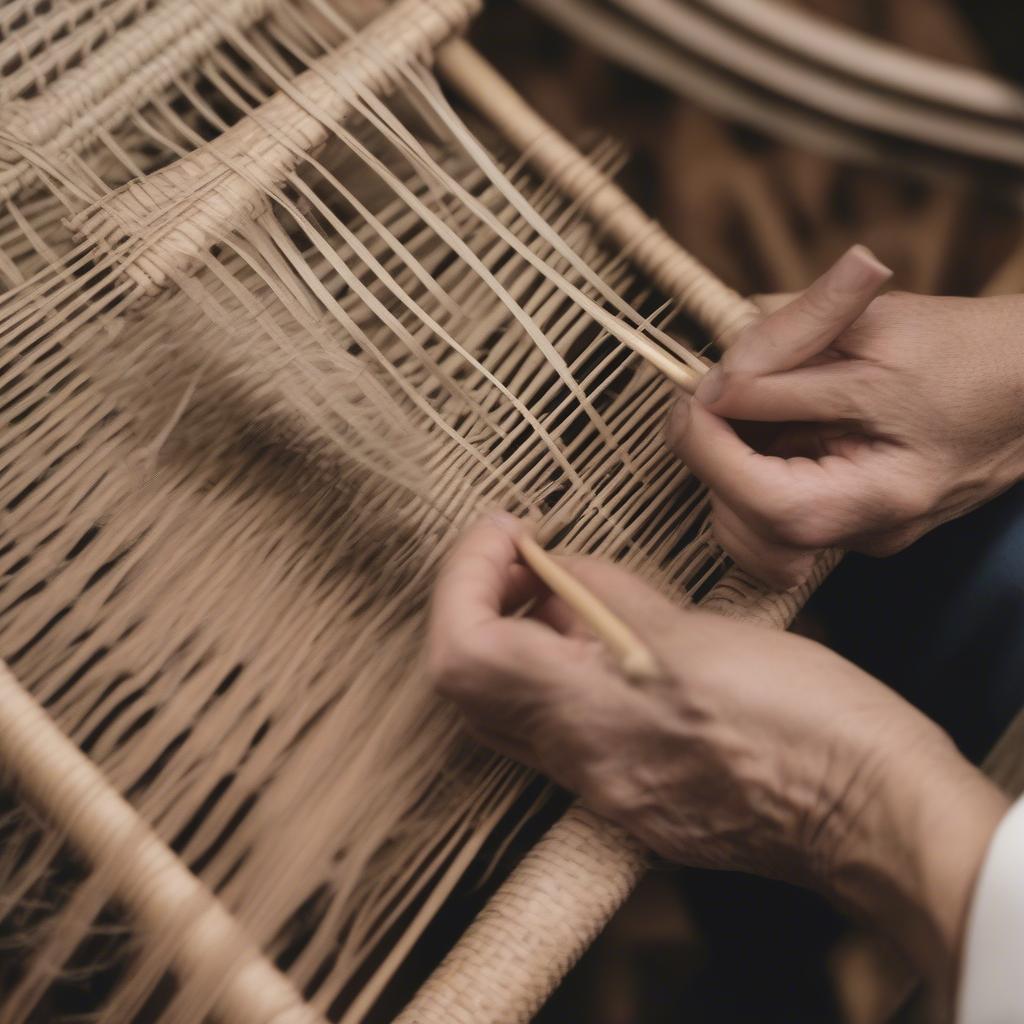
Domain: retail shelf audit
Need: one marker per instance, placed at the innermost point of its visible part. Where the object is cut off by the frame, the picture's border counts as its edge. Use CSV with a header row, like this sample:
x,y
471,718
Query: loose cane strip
x,y
254,991
62,782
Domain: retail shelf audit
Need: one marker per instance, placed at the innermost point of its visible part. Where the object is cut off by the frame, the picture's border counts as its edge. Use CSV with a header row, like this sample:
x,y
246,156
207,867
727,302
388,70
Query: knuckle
x,y
851,399
894,509
787,517
817,305
608,789
806,518
886,545
459,666
919,496
804,529
560,717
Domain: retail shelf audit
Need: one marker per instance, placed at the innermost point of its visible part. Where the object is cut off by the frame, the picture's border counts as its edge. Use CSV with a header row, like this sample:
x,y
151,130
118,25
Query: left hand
x,y
754,750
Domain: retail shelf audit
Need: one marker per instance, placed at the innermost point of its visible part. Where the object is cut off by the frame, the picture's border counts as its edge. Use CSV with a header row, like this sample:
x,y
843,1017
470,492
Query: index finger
x,y
798,500
747,480
474,584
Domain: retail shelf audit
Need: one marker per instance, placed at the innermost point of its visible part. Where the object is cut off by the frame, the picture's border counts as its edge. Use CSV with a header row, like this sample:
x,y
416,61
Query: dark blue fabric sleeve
x,y
942,622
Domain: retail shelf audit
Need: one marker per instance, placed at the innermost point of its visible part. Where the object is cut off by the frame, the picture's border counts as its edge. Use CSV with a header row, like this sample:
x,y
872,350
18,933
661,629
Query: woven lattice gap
x,y
228,474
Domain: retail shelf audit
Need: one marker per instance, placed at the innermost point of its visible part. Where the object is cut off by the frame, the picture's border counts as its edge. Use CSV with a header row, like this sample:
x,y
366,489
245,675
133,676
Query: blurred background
x,y
767,181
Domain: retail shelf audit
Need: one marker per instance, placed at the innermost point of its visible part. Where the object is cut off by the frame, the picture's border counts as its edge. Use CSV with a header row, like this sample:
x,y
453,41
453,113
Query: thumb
x,y
806,325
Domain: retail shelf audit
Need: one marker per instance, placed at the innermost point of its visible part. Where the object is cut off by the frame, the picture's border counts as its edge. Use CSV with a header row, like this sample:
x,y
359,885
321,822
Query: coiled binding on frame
x,y
299,318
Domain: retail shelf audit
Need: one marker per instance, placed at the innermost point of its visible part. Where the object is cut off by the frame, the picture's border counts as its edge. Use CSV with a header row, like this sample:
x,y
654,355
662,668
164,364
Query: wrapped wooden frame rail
x,y
277,322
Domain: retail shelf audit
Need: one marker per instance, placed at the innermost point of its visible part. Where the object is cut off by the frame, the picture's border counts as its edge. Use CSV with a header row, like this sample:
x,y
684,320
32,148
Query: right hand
x,y
846,420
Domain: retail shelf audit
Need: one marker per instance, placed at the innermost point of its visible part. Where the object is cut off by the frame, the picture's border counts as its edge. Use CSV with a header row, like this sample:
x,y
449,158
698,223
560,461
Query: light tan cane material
x,y
634,657
568,887
212,190
713,303
138,62
278,323
251,392
66,785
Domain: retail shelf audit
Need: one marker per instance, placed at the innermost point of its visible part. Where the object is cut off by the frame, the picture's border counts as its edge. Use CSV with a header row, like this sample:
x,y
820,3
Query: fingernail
x,y
859,269
710,388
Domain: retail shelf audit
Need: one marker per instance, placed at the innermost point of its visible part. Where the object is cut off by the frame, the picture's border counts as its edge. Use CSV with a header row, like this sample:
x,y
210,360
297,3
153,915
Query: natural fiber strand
x,y
226,489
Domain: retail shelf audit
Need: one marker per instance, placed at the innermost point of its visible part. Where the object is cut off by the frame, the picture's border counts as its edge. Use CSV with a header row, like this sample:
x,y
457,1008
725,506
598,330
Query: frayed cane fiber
x,y
100,823
278,323
566,889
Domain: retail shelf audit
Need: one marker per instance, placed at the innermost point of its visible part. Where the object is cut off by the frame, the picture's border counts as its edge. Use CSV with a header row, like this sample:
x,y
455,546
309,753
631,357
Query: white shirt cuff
x,y
992,979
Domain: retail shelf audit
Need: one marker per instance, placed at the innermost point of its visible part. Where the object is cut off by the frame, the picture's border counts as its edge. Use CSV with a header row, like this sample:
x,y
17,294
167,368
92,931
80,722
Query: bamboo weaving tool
x,y
276,322
193,507
635,659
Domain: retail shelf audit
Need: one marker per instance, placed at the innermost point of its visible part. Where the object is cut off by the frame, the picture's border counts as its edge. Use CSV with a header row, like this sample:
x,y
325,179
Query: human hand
x,y
752,750
877,420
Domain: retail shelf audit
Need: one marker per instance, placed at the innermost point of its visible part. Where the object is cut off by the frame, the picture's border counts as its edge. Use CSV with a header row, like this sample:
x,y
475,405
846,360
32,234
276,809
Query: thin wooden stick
x,y
55,776
675,369
634,657
702,294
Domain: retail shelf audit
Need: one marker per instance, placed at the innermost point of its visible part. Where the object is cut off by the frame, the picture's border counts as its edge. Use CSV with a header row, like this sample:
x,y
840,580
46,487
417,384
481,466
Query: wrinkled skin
x,y
877,419
838,419
753,750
